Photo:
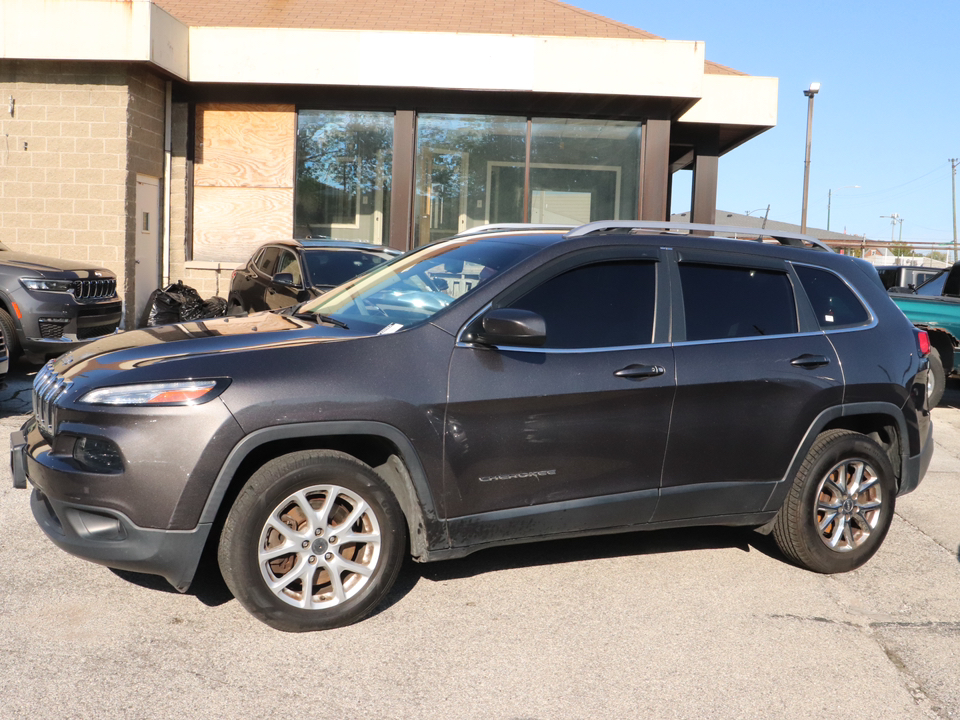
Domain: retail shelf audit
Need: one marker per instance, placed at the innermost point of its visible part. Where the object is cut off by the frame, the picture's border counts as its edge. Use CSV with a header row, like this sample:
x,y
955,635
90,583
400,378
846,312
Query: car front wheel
x,y
840,506
314,541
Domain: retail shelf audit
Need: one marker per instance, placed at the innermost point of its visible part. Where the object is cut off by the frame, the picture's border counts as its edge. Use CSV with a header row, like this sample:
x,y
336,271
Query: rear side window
x,y
608,304
268,260
722,301
833,301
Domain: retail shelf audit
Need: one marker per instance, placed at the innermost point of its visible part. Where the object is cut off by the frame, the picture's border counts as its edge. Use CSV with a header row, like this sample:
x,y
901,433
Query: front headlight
x,y
181,392
47,285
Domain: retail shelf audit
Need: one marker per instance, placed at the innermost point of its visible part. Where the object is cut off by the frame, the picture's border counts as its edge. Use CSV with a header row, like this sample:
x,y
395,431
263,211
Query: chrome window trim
x,y
559,351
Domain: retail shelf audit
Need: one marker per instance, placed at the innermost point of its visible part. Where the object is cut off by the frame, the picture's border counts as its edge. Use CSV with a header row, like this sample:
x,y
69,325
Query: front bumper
x,y
107,536
55,322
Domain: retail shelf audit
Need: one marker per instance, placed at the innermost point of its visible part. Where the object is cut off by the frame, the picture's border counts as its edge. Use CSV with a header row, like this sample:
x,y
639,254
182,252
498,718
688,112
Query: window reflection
x,y
344,166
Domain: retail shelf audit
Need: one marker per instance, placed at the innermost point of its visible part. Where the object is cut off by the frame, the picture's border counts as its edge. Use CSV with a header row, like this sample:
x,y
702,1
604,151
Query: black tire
x,y
10,335
866,514
937,379
340,594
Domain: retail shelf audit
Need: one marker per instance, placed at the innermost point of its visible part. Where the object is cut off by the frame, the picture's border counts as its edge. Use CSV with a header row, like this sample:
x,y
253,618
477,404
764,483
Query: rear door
x,y
569,437
753,372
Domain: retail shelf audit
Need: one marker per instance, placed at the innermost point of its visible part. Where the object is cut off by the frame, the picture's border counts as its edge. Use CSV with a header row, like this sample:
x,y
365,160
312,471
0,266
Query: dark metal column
x,y
654,170
401,196
704,200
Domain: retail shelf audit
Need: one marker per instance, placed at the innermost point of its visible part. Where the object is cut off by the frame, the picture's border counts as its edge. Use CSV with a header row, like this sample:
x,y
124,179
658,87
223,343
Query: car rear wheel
x,y
840,506
314,541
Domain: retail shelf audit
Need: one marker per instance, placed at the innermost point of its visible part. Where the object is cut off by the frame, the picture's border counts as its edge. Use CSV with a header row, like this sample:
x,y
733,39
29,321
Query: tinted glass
x,y
833,301
334,267
728,302
288,264
268,260
607,304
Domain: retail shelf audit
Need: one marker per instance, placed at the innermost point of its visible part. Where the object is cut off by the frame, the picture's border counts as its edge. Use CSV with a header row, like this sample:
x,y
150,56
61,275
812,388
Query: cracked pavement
x,y
707,623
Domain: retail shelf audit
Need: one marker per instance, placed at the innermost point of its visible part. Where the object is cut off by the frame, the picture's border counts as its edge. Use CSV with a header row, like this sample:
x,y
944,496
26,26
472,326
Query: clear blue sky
x,y
887,117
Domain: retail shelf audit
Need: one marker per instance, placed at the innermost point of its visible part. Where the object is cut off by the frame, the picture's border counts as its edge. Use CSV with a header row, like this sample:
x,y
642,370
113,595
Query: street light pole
x,y
814,89
829,194
953,167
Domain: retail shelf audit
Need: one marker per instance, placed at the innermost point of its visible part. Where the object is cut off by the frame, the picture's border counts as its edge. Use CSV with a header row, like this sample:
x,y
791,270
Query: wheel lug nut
x,y
312,560
306,543
329,556
318,532
333,539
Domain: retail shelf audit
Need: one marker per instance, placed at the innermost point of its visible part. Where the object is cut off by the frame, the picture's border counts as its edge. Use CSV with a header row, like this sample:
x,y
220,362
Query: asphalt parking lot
x,y
671,624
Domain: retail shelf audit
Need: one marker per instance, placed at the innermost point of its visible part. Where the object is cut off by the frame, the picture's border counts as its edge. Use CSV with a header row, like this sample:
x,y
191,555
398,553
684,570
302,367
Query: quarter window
x,y
608,304
833,301
723,301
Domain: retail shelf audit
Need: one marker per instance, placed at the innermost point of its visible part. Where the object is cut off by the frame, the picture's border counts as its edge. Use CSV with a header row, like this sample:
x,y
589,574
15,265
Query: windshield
x,y
416,286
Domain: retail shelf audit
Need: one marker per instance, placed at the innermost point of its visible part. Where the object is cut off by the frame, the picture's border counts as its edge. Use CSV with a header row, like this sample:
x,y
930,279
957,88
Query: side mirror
x,y
284,279
509,326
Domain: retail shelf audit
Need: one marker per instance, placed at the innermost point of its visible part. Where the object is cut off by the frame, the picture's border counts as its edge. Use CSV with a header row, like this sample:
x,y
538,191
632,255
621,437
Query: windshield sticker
x,y
391,328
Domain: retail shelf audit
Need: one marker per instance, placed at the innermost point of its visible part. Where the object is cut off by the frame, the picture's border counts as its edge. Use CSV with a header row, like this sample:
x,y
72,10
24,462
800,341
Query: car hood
x,y
164,343
47,266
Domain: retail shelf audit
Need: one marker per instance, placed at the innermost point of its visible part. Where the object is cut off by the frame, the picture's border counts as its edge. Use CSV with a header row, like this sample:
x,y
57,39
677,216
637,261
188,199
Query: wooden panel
x,y
245,145
229,223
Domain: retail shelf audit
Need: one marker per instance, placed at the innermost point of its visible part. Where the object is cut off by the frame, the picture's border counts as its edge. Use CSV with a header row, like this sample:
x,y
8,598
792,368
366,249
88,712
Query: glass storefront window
x,y
583,170
467,173
472,170
344,167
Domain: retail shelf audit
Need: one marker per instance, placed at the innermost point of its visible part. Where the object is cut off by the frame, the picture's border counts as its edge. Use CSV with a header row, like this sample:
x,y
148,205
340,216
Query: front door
x,y
570,437
147,247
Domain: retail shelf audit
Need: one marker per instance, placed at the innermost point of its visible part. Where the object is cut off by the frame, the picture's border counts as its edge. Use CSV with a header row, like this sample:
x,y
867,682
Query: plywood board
x,y
230,223
245,145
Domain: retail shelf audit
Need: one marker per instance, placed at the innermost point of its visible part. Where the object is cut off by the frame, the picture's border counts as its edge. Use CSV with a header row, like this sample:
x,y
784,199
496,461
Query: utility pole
x,y
953,178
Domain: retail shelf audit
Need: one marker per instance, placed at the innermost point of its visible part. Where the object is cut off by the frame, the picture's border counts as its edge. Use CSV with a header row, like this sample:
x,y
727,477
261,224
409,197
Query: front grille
x,y
90,289
48,387
85,333
51,331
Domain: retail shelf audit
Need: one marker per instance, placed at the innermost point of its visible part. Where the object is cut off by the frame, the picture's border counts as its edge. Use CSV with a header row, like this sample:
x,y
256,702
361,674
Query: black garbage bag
x,y
180,303
214,307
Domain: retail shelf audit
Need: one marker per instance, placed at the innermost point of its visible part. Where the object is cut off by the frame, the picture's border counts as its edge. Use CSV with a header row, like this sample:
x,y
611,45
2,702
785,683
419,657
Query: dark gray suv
x,y
49,306
505,385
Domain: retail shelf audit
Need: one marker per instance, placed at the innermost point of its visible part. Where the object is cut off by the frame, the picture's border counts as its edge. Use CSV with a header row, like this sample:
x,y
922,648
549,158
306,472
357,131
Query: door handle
x,y
810,361
639,371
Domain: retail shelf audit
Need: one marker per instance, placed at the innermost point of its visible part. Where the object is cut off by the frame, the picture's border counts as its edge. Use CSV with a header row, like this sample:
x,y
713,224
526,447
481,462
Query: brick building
x,y
166,139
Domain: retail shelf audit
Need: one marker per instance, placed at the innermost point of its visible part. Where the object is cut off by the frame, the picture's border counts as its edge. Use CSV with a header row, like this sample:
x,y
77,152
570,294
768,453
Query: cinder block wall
x,y
70,151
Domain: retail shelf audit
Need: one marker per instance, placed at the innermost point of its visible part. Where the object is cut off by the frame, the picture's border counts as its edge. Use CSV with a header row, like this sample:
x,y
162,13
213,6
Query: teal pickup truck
x,y
935,307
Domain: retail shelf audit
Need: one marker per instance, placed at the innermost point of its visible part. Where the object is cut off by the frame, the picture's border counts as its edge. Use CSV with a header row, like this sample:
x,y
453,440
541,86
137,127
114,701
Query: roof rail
x,y
506,227
754,234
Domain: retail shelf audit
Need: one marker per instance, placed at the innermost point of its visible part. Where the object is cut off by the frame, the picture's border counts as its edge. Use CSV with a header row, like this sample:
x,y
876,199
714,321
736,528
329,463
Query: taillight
x,y
923,342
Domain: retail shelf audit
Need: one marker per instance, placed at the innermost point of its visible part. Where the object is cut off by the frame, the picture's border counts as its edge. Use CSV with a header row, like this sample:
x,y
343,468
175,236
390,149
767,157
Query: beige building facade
x,y
166,140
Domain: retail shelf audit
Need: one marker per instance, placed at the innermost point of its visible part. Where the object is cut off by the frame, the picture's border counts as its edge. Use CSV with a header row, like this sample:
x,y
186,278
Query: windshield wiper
x,y
319,317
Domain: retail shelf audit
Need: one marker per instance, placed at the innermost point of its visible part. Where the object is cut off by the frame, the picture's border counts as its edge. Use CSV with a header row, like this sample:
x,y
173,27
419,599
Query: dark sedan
x,y
287,272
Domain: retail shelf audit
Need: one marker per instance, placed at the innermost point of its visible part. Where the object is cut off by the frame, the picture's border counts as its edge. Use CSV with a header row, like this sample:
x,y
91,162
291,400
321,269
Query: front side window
x,y
288,263
722,301
602,305
834,303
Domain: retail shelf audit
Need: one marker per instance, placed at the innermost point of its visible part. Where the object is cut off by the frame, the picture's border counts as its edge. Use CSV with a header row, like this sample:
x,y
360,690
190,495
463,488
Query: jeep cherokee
x,y
505,385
